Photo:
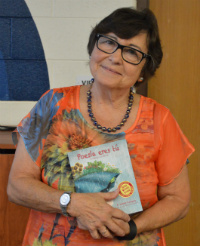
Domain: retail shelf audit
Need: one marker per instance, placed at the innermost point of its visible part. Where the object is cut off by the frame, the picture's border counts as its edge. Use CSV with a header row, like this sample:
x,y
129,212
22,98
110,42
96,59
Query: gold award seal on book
x,y
126,189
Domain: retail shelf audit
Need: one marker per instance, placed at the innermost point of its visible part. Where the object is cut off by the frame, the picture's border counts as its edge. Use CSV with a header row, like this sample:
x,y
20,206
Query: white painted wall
x,y
64,27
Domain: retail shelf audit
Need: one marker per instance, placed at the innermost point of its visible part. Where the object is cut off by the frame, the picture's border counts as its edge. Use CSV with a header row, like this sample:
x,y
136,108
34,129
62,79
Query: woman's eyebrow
x,y
112,37
131,45
135,46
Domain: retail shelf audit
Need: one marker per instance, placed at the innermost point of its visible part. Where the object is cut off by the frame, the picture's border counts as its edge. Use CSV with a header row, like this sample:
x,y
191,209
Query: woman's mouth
x,y
110,70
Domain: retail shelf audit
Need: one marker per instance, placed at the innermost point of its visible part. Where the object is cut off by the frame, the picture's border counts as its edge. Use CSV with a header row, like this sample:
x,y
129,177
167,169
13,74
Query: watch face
x,y
65,199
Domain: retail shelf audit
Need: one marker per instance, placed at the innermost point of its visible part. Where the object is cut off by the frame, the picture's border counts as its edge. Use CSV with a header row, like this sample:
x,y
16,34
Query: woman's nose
x,y
116,57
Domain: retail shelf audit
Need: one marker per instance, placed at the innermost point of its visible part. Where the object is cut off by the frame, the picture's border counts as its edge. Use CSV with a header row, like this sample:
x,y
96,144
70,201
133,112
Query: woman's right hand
x,y
94,214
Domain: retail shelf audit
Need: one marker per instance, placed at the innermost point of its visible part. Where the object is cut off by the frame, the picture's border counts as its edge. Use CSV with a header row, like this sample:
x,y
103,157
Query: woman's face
x,y
111,70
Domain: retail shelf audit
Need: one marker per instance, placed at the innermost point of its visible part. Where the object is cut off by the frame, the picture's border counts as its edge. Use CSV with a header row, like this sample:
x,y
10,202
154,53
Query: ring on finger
x,y
104,232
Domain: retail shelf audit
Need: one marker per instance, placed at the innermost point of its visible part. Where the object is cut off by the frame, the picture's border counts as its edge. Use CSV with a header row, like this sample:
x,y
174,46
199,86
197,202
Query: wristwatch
x,y
64,202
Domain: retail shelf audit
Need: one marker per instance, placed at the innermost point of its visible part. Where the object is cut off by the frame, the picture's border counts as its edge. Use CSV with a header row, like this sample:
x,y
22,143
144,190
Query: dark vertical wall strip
x,y
142,4
23,69
143,87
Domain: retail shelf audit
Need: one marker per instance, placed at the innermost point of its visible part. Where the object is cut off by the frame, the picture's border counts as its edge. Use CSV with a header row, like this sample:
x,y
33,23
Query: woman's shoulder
x,y
56,94
152,105
64,90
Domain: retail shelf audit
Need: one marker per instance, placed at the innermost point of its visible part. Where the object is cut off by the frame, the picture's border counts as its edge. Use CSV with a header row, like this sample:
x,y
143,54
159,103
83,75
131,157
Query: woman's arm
x,y
26,188
172,206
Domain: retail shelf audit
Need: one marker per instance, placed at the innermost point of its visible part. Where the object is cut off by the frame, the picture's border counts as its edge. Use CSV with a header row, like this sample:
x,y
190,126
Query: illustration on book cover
x,y
104,168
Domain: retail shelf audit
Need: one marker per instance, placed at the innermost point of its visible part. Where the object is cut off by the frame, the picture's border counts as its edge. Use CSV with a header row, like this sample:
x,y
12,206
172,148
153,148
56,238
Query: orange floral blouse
x,y
55,126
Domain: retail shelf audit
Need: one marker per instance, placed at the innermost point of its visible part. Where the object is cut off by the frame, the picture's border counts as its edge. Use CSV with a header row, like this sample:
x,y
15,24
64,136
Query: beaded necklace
x,y
103,128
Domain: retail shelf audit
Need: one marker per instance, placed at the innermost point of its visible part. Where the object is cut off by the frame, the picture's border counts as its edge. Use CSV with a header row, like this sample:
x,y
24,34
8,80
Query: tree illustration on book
x,y
94,177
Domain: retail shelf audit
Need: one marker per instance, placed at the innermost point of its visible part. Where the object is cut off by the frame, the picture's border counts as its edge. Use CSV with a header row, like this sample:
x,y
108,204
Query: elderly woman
x,y
124,50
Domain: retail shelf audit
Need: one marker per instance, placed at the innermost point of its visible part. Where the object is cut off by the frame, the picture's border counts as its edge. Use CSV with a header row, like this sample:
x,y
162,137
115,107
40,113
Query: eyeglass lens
x,y
109,46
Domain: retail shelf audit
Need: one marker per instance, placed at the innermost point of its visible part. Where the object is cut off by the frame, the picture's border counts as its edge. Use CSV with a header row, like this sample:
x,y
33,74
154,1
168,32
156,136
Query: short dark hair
x,y
127,23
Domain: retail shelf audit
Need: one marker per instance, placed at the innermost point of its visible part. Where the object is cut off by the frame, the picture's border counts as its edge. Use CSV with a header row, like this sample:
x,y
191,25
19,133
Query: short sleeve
x,y
34,127
174,148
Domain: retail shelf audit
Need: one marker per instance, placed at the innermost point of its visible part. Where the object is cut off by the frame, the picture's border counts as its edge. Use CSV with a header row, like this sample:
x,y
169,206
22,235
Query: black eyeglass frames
x,y
129,54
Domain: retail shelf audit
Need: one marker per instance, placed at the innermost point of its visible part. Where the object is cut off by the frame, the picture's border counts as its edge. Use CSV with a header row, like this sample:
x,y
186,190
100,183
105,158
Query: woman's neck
x,y
115,97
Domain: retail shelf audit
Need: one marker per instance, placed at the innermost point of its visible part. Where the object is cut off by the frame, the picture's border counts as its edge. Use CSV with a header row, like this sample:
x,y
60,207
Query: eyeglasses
x,y
129,54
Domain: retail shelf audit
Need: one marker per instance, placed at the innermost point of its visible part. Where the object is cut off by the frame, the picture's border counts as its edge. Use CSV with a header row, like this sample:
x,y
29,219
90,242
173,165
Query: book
x,y
104,168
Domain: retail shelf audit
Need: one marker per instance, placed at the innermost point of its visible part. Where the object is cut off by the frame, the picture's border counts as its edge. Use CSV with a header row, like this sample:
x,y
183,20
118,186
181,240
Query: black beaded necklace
x,y
103,128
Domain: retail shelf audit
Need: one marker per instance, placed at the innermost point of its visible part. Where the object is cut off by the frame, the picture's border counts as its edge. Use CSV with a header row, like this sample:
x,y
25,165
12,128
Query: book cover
x,y
104,168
